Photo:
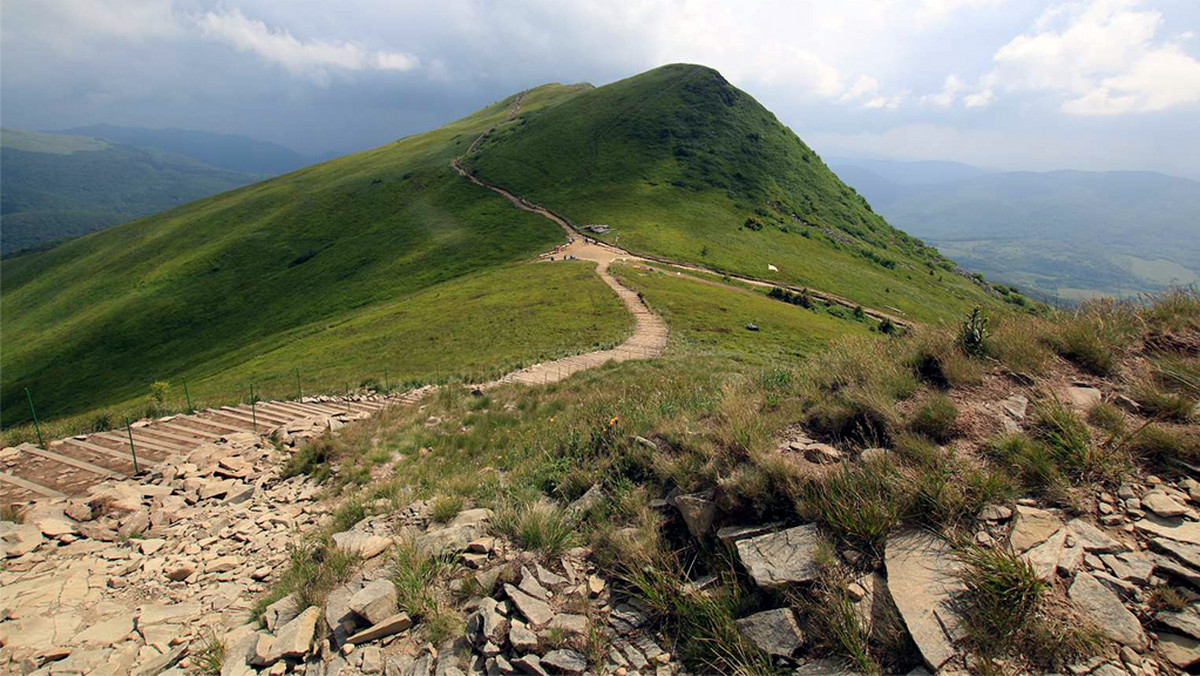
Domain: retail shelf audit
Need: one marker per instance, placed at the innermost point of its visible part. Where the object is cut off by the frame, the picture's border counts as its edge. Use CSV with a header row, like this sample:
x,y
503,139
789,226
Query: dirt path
x,y
623,254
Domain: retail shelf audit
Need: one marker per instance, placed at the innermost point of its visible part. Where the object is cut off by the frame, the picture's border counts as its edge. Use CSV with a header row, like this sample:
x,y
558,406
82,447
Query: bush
x,y
1019,344
935,419
1032,463
937,359
1071,445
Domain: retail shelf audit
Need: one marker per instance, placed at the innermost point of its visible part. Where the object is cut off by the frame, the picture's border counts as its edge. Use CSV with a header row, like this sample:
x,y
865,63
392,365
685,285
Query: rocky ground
x,y
150,577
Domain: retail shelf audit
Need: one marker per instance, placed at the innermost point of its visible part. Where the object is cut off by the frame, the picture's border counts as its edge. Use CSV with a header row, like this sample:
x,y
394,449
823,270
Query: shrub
x,y
313,458
935,418
937,359
1033,464
1007,613
1002,592
102,422
973,333
1078,341
704,622
415,573
1069,441
1019,344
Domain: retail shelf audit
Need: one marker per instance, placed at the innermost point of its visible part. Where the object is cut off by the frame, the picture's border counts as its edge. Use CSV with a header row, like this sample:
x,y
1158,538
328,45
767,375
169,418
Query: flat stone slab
x,y
781,558
392,625
922,576
775,632
1093,539
1110,616
362,544
537,611
1182,531
1032,527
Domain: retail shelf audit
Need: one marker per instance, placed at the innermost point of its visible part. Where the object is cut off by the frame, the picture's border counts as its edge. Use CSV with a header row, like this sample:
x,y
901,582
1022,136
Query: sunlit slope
x,y
682,164
230,277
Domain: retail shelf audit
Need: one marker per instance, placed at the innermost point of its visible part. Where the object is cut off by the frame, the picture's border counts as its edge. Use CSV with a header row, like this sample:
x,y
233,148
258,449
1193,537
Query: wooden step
x,y
222,427
80,464
270,420
156,432
120,441
147,462
176,426
14,480
275,409
234,414
295,409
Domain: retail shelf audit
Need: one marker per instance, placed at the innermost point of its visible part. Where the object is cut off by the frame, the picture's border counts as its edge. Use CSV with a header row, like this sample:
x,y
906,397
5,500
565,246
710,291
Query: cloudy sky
x,y
1006,84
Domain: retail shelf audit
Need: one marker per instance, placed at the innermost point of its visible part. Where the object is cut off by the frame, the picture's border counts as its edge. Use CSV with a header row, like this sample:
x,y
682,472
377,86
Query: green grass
x,y
686,166
705,317
313,267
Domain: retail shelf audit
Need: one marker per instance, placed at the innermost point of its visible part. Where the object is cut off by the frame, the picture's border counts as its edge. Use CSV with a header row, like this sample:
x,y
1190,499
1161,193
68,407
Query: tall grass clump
x,y
315,567
1007,615
860,503
703,621
1070,444
541,526
1094,337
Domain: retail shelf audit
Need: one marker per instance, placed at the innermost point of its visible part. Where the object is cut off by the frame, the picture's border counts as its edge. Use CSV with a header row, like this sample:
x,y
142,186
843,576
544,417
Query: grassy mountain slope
x,y
226,281
1063,232
682,164
228,151
54,187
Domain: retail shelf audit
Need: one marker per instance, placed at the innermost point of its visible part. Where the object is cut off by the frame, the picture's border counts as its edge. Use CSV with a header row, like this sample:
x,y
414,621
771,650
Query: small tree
x,y
159,390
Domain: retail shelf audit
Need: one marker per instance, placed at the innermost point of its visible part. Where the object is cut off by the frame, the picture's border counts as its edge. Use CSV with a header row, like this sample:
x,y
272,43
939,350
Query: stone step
x,y
292,408
273,408
188,430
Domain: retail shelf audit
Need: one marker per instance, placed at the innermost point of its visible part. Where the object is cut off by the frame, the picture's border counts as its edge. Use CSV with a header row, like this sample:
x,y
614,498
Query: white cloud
x,y
313,57
936,10
1100,57
951,88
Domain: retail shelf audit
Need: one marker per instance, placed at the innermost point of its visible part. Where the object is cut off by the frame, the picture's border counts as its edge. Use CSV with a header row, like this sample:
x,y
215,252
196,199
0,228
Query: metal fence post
x,y
299,393
253,409
187,395
132,450
36,427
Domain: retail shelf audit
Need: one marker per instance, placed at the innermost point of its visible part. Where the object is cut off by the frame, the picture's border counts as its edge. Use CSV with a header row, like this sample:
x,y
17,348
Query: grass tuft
x,y
540,526
935,419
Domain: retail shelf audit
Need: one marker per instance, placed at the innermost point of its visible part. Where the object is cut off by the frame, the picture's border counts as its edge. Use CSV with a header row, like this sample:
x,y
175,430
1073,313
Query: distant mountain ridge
x,y
1073,234
55,187
227,151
